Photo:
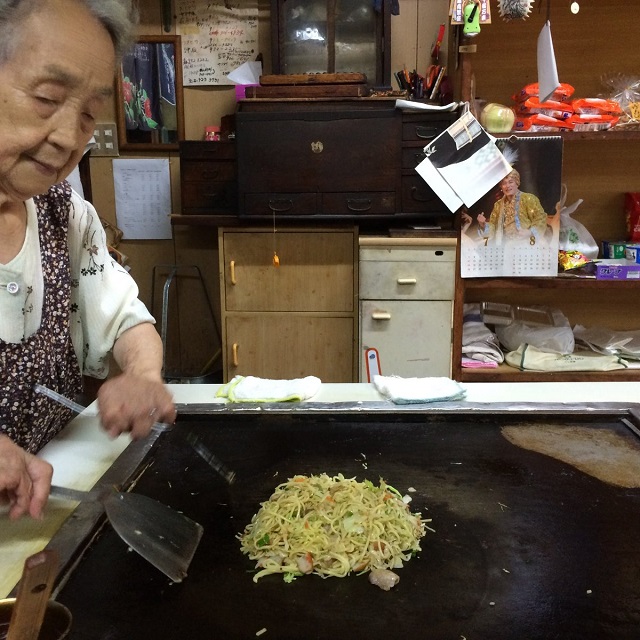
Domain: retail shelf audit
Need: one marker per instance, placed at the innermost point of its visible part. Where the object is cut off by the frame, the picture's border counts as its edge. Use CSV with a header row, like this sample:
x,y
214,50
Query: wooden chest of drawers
x,y
208,177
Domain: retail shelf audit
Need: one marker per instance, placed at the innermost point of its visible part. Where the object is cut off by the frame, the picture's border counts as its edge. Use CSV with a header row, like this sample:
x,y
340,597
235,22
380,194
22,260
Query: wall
x,y
191,335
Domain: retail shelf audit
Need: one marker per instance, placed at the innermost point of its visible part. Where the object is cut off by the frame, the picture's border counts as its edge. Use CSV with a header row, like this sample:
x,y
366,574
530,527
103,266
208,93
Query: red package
x,y
560,110
562,94
596,106
593,121
541,122
632,214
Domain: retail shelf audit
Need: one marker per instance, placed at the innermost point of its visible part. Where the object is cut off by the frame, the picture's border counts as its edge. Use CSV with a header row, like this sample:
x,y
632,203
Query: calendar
x,y
513,231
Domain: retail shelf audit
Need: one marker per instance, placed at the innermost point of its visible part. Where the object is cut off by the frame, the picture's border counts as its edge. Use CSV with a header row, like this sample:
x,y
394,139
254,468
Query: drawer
x,y
318,152
202,170
418,196
424,127
208,151
316,272
413,338
432,278
280,204
208,197
362,203
412,156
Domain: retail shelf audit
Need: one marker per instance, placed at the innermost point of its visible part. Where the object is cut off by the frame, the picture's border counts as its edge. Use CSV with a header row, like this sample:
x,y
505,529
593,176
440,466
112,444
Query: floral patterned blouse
x,y
104,297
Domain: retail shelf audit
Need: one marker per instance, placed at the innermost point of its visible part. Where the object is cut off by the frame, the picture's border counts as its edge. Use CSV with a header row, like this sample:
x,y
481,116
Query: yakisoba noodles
x,y
331,526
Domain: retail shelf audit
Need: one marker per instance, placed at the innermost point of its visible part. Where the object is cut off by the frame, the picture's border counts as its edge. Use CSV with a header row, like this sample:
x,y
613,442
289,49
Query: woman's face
x,y
509,186
51,92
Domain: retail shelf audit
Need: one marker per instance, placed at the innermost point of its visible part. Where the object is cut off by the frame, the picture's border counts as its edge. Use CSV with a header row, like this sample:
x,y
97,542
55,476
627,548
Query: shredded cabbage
x,y
331,526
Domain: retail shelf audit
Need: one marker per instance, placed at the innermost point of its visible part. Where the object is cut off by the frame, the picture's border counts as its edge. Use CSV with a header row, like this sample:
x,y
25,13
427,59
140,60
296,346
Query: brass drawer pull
x,y
358,204
232,270
234,350
407,281
381,315
280,206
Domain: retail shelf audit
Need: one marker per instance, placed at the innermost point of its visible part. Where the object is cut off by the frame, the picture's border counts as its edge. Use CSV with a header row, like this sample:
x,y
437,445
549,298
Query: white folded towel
x,y
417,390
252,389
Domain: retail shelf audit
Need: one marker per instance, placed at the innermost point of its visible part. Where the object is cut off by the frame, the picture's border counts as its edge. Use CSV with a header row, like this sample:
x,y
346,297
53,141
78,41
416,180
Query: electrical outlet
x,y
106,137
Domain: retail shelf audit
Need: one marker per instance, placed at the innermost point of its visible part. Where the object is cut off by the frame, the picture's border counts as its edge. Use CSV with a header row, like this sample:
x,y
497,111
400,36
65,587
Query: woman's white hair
x,y
118,17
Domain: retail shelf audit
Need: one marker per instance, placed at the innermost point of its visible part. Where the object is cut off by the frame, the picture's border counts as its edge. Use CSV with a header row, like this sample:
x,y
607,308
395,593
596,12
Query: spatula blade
x,y
162,536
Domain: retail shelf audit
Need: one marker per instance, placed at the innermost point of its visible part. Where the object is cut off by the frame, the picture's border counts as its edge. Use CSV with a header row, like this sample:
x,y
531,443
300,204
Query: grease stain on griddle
x,y
605,455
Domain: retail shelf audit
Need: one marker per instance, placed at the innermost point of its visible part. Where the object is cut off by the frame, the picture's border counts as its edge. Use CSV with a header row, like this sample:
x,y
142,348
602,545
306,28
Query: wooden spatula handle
x,y
33,594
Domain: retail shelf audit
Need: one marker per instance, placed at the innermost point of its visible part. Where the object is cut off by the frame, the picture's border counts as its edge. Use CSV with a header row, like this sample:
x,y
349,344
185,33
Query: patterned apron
x,y
47,357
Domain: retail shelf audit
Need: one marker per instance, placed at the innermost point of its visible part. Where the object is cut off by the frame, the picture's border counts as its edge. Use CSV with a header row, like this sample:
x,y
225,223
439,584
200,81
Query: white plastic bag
x,y
556,338
574,236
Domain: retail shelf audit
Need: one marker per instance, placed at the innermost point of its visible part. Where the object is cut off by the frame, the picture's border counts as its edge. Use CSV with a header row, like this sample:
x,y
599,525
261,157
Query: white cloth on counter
x,y
253,389
418,390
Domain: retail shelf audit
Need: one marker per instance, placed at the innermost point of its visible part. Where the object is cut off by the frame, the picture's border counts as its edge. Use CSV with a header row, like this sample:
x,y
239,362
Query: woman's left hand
x,y
133,403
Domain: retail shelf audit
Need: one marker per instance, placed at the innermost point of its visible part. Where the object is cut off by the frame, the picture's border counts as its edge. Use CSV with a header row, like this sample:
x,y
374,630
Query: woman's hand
x,y
137,398
25,480
130,402
482,221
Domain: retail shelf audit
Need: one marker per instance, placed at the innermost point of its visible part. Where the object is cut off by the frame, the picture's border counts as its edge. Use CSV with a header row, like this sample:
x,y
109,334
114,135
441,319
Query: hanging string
x,y
276,260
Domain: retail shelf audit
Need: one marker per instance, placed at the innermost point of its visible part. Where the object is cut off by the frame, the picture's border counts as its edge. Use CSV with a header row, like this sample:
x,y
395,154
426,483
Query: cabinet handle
x,y
407,280
415,196
232,270
419,157
234,350
280,205
361,204
426,133
209,175
381,315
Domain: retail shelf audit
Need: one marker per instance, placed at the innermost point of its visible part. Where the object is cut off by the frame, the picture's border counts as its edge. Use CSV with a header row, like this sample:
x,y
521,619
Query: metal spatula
x,y
164,537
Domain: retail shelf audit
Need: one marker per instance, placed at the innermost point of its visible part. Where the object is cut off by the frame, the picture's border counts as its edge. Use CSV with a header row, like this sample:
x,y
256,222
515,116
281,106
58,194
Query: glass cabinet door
x,y
332,36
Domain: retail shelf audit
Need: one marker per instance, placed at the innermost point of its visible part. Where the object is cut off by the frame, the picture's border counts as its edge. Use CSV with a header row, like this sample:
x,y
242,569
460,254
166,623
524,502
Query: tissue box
x,y
241,90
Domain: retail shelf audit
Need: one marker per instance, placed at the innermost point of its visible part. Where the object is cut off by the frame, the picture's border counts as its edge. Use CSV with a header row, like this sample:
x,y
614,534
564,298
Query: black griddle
x,y
525,547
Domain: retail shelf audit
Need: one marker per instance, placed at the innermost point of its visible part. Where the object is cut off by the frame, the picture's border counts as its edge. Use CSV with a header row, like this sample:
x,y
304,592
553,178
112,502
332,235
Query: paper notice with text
x,y
216,38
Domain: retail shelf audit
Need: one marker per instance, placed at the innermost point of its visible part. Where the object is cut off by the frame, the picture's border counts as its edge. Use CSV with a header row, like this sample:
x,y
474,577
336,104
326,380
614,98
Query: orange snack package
x,y
562,94
560,110
596,106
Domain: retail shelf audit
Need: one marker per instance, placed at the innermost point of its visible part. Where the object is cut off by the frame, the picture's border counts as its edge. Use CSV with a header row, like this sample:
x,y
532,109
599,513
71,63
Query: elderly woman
x,y
64,304
516,216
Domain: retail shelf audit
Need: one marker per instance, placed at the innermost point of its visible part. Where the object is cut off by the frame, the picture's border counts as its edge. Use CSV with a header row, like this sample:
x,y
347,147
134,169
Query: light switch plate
x,y
106,136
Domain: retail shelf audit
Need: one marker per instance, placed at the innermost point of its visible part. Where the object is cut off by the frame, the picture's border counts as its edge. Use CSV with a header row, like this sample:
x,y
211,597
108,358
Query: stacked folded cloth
x,y
252,389
418,390
480,346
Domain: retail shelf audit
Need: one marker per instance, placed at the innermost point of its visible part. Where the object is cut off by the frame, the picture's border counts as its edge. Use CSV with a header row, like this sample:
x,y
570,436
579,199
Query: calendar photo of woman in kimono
x,y
513,229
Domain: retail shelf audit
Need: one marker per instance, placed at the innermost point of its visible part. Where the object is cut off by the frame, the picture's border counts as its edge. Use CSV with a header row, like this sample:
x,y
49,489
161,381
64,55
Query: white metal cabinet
x,y
406,305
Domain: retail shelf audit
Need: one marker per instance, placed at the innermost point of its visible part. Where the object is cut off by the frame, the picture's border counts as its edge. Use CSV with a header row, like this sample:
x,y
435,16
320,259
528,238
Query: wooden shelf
x,y
574,136
560,282
506,373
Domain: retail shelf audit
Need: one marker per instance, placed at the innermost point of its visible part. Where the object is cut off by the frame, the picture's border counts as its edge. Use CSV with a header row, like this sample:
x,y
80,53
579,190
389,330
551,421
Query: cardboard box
x,y
632,252
617,270
613,248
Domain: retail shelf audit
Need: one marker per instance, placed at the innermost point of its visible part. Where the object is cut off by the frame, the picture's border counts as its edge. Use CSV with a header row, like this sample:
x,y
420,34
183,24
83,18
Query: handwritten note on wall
x,y
217,37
